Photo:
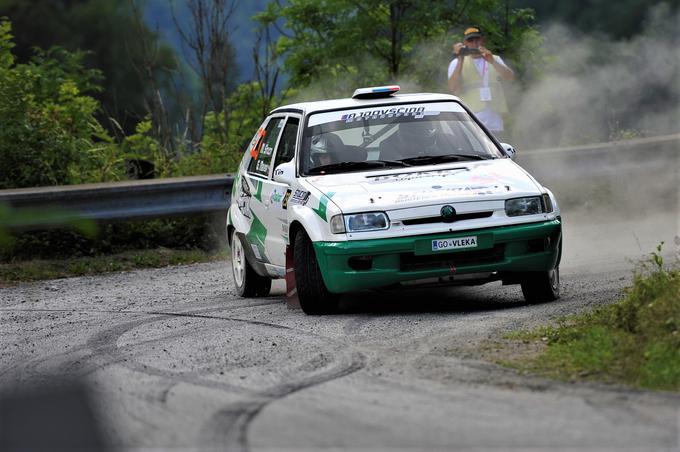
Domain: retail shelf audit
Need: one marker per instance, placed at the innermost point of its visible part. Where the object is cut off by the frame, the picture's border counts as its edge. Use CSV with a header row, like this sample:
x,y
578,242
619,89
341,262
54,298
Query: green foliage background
x,y
112,33
48,123
619,20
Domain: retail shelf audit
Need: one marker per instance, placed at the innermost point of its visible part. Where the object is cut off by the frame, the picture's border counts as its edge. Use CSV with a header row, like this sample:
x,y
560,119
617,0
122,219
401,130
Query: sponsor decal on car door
x,y
270,197
257,178
277,197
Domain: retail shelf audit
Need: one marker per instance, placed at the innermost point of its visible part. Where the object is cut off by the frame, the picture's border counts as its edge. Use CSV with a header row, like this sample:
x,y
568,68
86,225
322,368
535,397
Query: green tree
x,y
49,127
120,45
622,19
343,43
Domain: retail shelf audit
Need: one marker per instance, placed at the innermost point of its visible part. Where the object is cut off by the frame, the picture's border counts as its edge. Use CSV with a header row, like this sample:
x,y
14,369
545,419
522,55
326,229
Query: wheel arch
x,y
304,217
230,230
295,228
256,265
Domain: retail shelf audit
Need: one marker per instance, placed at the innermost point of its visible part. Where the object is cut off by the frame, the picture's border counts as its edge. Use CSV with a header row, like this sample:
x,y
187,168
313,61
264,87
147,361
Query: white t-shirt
x,y
492,120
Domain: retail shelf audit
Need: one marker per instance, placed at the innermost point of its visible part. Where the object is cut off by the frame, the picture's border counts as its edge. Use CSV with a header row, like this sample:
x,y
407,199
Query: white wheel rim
x,y
238,261
555,279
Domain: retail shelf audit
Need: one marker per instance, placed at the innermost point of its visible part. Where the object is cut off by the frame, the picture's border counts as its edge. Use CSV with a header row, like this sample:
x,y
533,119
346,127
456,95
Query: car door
x,y
276,202
269,229
257,178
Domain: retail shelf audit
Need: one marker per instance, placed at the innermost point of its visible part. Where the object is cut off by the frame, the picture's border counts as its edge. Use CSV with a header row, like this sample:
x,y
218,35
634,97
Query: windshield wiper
x,y
428,159
355,166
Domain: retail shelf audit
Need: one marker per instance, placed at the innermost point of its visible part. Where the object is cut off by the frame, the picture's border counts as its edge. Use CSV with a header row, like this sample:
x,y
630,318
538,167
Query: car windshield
x,y
399,135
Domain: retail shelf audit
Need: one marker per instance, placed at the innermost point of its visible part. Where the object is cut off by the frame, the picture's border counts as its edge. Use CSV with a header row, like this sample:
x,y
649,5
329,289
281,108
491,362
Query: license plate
x,y
454,244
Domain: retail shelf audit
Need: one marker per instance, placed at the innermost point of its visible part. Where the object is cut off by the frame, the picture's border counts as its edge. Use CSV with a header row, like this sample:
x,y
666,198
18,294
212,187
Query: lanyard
x,y
485,75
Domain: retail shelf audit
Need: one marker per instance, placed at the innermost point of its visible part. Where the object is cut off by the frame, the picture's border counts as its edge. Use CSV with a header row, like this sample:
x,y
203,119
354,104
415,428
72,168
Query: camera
x,y
465,51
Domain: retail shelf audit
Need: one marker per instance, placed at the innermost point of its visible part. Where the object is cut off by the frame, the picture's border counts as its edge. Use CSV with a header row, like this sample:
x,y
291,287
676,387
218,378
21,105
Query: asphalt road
x,y
173,359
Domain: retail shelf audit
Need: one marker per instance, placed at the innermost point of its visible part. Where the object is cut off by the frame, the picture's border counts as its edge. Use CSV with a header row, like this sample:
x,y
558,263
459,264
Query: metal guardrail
x,y
626,178
128,200
158,198
636,143
601,159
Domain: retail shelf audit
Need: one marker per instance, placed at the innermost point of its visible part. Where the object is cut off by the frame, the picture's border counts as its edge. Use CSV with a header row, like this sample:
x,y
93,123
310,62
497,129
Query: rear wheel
x,y
539,287
314,297
248,283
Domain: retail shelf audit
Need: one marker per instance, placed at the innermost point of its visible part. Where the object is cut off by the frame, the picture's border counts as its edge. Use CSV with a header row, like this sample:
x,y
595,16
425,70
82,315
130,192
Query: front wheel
x,y
248,283
539,287
314,297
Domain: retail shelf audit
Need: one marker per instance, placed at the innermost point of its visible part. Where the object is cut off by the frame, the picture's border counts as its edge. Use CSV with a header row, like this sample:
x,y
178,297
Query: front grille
x,y
439,219
410,262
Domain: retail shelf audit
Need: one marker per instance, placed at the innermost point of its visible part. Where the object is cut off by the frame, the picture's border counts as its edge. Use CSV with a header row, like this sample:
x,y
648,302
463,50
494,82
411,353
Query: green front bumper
x,y
364,264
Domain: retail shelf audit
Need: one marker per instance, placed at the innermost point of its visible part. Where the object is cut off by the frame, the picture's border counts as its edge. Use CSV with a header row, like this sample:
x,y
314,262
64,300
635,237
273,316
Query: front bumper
x,y
363,264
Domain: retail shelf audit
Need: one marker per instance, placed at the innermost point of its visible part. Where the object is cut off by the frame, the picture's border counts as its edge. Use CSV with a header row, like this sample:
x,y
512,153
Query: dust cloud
x,y
618,204
594,89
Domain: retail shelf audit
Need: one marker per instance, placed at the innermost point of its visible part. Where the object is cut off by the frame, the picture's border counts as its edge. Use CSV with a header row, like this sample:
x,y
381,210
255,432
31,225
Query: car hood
x,y
419,186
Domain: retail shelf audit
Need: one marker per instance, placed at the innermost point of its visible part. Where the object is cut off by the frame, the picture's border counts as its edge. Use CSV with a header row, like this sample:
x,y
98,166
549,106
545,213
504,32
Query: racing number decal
x,y
255,151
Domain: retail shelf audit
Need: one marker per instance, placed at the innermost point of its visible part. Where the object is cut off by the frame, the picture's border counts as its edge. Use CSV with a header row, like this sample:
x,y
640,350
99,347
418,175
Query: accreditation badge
x,y
485,94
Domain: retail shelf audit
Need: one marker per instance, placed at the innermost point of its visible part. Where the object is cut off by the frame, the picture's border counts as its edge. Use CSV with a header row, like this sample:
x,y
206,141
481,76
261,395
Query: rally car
x,y
384,189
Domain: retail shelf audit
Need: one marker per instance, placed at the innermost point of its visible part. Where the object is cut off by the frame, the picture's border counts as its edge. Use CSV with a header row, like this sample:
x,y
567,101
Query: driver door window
x,y
286,150
263,151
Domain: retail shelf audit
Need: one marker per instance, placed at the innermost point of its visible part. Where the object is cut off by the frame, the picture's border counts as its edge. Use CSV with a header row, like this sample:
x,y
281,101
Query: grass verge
x,y
635,341
34,270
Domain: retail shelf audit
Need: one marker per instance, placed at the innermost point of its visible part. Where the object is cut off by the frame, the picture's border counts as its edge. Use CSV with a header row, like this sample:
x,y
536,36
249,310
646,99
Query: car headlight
x,y
337,225
359,222
528,206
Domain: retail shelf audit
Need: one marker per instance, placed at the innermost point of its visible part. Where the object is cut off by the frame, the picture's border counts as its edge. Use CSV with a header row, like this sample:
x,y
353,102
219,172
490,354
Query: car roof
x,y
339,104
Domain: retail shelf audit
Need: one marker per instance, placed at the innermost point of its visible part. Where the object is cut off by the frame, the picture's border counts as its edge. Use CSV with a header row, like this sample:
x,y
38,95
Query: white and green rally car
x,y
382,189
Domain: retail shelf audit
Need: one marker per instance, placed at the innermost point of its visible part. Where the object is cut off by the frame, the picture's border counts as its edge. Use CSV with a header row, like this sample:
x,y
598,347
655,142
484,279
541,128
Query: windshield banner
x,y
416,111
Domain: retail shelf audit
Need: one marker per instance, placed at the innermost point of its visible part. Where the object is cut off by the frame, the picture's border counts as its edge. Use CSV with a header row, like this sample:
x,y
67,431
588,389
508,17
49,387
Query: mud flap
x,y
292,299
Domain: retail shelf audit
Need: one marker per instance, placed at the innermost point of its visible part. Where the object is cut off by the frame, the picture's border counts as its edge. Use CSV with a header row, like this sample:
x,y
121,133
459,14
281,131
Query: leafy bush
x,y
178,233
49,129
635,341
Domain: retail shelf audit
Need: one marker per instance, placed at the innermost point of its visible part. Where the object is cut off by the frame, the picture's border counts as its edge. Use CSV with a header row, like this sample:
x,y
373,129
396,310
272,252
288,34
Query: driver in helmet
x,y
326,149
412,139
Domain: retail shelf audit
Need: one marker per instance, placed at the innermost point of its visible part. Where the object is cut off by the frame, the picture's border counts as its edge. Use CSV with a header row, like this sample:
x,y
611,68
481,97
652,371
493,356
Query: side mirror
x,y
509,150
285,173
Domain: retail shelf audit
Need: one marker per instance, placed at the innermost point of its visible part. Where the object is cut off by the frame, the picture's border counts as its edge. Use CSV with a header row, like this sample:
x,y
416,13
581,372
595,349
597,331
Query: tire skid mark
x,y
213,308
34,363
355,325
104,344
101,342
58,364
162,396
105,352
232,422
230,425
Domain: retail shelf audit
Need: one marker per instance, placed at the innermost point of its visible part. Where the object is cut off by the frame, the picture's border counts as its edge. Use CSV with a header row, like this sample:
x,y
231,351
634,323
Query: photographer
x,y
474,76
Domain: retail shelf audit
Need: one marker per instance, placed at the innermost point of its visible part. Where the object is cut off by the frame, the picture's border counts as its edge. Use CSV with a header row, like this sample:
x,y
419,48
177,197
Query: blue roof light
x,y
375,92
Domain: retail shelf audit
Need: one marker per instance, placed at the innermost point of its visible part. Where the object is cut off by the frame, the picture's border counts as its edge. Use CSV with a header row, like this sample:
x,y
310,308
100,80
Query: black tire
x,y
247,282
315,299
541,287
